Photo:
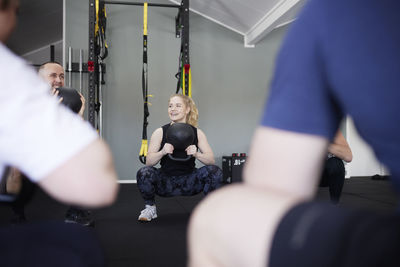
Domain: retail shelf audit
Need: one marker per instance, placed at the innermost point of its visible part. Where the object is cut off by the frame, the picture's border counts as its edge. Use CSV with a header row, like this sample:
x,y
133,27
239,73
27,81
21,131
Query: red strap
x,y
90,66
187,67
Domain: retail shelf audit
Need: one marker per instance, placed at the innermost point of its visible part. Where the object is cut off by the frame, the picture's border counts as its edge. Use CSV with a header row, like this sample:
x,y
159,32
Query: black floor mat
x,y
162,242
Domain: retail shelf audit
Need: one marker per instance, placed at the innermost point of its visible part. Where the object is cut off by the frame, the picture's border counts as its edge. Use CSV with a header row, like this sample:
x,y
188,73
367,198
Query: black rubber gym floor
x,y
162,242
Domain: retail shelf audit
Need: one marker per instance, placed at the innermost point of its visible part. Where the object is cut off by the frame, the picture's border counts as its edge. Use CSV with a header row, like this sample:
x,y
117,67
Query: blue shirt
x,y
342,57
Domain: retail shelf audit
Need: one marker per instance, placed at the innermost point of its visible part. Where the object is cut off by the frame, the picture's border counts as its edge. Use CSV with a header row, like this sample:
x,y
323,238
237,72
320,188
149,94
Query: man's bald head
x,y
52,73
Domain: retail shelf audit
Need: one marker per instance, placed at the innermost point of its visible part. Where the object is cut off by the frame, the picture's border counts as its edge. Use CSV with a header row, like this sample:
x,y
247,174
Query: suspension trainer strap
x,y
101,52
184,73
186,80
178,75
100,30
144,147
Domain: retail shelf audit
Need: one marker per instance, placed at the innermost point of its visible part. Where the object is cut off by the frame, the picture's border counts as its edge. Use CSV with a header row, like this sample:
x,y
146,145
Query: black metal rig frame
x,y
92,66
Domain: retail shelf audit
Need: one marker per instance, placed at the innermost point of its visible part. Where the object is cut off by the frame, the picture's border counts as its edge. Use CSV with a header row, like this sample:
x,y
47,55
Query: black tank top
x,y
173,167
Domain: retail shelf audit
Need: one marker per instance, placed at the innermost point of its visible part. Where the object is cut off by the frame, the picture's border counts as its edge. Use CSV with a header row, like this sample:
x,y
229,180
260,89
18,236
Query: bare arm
x,y
205,155
87,179
14,182
276,178
276,164
154,154
82,110
340,148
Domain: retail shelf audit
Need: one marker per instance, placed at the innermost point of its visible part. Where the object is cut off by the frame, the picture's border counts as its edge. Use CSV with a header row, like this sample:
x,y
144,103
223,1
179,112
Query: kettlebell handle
x,y
180,159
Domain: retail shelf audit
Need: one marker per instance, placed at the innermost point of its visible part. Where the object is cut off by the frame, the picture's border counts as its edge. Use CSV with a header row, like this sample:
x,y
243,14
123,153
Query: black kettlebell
x,y
71,98
180,135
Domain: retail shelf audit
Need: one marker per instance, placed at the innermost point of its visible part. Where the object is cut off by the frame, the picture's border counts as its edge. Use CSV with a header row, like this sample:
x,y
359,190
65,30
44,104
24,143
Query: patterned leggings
x,y
152,181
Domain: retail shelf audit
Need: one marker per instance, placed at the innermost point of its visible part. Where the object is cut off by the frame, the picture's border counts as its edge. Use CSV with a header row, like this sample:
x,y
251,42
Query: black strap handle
x,y
180,159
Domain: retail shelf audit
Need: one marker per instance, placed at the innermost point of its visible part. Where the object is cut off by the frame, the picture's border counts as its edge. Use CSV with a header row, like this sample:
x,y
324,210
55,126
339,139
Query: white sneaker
x,y
149,213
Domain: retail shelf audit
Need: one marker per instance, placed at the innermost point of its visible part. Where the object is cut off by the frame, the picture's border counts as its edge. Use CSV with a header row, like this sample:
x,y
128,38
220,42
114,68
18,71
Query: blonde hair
x,y
193,116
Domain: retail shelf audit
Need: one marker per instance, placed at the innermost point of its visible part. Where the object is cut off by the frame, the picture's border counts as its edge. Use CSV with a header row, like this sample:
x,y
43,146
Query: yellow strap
x,y
145,18
143,148
96,27
148,101
190,83
105,15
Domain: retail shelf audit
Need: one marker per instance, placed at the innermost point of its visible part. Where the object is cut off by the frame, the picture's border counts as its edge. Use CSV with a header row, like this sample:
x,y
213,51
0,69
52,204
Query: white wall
x,y
364,162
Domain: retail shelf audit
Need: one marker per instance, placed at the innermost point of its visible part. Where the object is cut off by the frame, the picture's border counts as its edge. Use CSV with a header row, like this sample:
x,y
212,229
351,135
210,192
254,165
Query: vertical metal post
x,y
69,66
100,102
92,63
185,41
52,53
80,69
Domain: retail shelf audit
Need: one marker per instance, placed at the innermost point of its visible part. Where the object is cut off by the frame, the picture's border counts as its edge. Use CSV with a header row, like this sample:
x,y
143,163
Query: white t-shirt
x,y
37,134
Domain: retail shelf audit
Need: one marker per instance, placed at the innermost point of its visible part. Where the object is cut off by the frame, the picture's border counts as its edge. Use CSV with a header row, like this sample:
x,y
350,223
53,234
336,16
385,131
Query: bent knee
x,y
214,172
205,234
236,224
213,168
144,171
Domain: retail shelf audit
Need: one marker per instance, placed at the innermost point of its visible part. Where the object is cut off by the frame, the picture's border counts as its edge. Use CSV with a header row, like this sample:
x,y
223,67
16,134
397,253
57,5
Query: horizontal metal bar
x,y
139,4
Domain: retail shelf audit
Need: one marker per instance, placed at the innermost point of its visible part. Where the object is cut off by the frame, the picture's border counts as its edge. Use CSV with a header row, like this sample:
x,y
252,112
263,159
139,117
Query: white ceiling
x,y
40,21
253,19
